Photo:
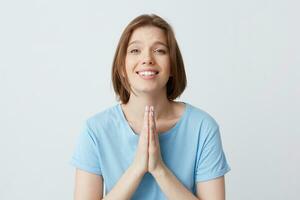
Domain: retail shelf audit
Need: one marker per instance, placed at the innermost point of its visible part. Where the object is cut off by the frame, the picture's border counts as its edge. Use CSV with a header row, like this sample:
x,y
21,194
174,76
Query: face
x,y
147,60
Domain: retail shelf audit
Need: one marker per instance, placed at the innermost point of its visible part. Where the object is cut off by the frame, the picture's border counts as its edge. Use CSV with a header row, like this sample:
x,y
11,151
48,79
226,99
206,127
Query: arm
x,y
173,189
171,186
88,186
126,186
211,190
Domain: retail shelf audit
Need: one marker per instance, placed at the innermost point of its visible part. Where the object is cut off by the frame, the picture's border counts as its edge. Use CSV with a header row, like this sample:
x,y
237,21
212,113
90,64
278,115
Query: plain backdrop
x,y
242,61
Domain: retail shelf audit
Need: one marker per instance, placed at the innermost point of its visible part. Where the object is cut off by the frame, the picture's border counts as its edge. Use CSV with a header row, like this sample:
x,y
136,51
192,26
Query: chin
x,y
148,90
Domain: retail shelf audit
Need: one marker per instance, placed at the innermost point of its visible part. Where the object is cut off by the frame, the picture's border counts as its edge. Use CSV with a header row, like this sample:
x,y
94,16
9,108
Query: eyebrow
x,y
157,42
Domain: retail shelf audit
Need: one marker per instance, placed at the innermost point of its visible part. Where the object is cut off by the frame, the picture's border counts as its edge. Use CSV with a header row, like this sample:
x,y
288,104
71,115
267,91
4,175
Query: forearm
x,y
171,186
126,185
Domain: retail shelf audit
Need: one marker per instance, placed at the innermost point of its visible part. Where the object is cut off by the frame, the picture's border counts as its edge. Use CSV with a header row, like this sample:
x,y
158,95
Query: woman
x,y
149,146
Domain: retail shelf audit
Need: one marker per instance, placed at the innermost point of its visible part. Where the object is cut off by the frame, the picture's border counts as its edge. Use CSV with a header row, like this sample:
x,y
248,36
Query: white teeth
x,y
147,73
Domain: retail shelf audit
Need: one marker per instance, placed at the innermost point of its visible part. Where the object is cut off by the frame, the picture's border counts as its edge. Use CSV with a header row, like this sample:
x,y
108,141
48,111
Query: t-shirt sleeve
x,y
211,160
86,153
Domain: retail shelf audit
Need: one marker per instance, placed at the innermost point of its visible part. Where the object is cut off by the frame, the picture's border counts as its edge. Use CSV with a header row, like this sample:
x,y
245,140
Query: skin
x,y
149,112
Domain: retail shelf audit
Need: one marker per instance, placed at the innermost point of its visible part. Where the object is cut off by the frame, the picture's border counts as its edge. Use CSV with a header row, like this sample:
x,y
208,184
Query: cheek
x,y
167,66
129,62
165,61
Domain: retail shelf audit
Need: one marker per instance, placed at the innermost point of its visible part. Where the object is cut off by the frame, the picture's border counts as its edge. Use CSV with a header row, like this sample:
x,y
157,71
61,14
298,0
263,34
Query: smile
x,y
147,74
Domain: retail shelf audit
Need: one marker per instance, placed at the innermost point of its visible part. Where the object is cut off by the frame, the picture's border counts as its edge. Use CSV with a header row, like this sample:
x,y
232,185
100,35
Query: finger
x,y
154,122
156,138
145,124
152,128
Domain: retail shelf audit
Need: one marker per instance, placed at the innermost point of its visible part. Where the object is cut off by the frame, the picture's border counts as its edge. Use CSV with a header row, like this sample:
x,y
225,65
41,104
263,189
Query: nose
x,y
150,62
147,59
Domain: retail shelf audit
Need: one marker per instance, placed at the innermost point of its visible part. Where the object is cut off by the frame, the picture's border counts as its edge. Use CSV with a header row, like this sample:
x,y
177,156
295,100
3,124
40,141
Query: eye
x,y
161,51
134,51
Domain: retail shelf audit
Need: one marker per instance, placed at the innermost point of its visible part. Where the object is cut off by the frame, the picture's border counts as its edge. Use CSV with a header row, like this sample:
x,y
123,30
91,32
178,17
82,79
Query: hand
x,y
148,157
155,162
140,162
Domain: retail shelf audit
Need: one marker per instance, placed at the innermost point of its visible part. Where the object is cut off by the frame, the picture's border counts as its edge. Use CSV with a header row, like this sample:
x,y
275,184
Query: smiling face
x,y
147,61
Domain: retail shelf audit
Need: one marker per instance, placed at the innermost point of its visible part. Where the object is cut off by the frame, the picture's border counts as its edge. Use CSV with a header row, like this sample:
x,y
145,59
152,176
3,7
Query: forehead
x,y
148,34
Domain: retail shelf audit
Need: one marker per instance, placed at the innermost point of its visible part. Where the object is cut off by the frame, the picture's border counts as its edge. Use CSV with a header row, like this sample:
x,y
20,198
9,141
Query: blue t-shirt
x,y
191,149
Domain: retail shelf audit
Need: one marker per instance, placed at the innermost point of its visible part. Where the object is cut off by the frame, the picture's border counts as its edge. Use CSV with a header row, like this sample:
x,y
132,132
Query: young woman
x,y
149,146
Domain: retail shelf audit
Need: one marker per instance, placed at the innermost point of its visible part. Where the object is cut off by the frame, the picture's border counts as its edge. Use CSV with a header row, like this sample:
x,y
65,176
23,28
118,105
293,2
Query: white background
x,y
242,62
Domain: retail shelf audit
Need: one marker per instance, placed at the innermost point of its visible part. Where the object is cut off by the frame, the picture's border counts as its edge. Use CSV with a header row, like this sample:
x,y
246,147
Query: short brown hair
x,y
176,83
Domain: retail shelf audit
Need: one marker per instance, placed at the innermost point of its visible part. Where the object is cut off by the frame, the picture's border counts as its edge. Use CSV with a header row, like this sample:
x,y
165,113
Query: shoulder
x,y
201,117
103,118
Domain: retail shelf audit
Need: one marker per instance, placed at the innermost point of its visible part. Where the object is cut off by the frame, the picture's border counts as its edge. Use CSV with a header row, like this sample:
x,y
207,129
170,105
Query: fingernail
x,y
151,108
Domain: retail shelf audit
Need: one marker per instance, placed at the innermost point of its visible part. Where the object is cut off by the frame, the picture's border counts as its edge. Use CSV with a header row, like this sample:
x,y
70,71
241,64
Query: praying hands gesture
x,y
148,156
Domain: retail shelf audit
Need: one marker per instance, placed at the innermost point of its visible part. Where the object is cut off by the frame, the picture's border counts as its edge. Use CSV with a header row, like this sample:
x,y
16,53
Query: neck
x,y
136,106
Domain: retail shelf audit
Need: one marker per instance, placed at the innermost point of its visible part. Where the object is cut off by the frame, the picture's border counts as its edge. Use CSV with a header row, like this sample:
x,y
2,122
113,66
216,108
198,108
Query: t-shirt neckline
x,y
162,134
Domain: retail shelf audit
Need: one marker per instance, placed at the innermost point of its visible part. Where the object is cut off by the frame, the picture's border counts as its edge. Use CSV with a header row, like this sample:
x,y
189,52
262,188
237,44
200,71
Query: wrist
x,y
159,171
137,170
